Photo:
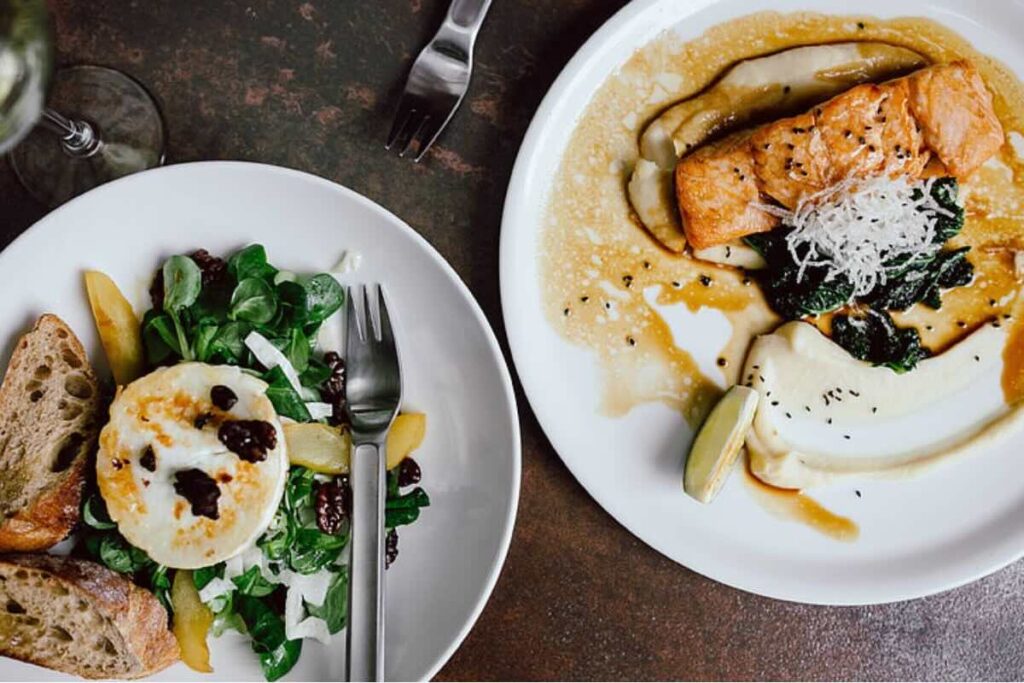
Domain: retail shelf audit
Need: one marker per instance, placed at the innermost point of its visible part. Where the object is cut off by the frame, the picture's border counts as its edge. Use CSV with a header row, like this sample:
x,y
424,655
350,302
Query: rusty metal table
x,y
310,85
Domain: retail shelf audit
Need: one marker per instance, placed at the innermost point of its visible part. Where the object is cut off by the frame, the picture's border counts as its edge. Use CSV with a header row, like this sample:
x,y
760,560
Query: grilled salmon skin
x,y
941,114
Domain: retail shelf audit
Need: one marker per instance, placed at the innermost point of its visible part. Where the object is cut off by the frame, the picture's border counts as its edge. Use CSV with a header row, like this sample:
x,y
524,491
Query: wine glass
x,y
101,123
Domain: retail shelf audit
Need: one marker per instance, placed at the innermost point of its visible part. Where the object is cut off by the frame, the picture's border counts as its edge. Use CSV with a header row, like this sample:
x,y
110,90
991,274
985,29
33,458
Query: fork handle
x,y
468,14
365,660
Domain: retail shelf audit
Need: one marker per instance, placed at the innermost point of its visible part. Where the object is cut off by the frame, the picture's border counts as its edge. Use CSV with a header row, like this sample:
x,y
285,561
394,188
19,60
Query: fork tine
x,y
387,335
372,329
413,137
405,111
431,131
355,324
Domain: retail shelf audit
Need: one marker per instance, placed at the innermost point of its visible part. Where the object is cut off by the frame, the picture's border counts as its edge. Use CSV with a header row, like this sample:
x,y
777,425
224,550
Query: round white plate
x,y
452,370
917,536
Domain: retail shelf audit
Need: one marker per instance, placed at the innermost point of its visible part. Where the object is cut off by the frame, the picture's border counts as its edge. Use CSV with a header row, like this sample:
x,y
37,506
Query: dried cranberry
x,y
409,472
249,439
148,459
200,490
156,290
223,397
332,505
333,389
213,268
390,548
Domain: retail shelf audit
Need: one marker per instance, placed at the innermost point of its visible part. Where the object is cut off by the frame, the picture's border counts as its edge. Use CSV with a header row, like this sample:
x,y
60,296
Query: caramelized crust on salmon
x,y
941,114
717,193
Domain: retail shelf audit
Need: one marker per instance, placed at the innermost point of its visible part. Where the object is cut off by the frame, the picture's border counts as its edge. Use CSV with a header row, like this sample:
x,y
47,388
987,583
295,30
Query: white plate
x,y
918,536
452,370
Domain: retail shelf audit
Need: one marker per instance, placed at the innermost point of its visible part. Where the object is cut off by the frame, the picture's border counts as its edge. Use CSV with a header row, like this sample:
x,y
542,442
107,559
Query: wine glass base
x,y
125,117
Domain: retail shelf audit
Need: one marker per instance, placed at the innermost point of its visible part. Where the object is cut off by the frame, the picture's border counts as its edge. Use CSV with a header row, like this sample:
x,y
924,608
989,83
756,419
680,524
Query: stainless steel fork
x,y
373,390
438,80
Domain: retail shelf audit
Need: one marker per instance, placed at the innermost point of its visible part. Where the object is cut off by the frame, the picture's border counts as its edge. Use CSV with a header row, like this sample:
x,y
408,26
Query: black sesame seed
x,y
789,416
775,403
566,312
858,493
584,299
961,324
874,409
722,362
977,358
991,302
647,265
705,280
675,283
631,341
847,133
807,408
854,393
846,436
860,25
862,139
746,281
786,89
829,421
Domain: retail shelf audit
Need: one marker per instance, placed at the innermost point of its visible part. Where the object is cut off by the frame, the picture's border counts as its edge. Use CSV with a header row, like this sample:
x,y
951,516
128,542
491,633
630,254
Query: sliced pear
x,y
118,326
318,447
192,621
718,443
327,449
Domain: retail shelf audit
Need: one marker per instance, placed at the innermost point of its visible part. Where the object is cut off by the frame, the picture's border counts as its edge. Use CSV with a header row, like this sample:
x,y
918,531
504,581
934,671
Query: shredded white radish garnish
x,y
855,227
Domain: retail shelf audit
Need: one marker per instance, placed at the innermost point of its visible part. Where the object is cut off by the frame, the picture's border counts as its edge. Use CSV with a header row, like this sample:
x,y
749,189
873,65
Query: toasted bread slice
x,y
81,618
50,414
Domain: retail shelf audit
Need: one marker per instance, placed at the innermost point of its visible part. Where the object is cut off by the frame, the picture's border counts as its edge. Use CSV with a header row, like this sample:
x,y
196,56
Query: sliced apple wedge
x,y
718,443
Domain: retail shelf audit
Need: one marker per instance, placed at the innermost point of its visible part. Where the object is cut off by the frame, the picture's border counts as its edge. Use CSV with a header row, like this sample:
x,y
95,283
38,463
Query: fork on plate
x,y
438,80
373,392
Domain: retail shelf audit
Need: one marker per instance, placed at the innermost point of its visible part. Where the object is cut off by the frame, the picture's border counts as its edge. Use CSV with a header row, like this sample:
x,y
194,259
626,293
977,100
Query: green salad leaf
x,y
334,611
266,631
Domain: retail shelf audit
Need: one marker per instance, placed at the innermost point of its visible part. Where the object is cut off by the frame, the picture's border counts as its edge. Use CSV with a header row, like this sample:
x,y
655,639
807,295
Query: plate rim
x,y
516,198
494,348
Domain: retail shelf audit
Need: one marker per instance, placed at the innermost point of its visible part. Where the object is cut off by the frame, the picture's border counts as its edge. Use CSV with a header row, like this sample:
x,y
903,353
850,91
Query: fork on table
x,y
438,80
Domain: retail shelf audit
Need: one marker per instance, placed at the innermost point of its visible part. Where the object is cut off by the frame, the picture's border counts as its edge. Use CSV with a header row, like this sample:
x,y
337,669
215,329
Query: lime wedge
x,y
718,443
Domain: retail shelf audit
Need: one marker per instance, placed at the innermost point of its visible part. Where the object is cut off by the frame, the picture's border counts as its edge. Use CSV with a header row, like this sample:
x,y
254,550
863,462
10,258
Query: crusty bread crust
x,y
52,497
135,614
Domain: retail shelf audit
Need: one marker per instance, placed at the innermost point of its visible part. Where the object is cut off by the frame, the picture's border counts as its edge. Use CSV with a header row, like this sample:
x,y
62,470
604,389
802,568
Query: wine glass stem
x,y
77,137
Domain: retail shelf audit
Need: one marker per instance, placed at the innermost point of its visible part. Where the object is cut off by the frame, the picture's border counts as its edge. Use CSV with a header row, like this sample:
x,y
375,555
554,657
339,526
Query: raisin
x,y
333,389
148,459
408,472
200,490
332,505
248,439
390,548
223,397
213,268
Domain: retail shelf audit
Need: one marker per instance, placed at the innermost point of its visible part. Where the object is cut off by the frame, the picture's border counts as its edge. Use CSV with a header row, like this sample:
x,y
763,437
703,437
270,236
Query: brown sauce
x,y
799,507
597,262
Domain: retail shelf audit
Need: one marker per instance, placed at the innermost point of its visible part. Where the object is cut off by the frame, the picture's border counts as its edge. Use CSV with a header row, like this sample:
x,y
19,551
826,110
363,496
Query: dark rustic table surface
x,y
310,85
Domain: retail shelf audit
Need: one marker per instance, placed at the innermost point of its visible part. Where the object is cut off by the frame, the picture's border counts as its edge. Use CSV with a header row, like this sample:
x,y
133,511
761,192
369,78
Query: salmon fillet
x,y
938,117
956,115
791,159
716,190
